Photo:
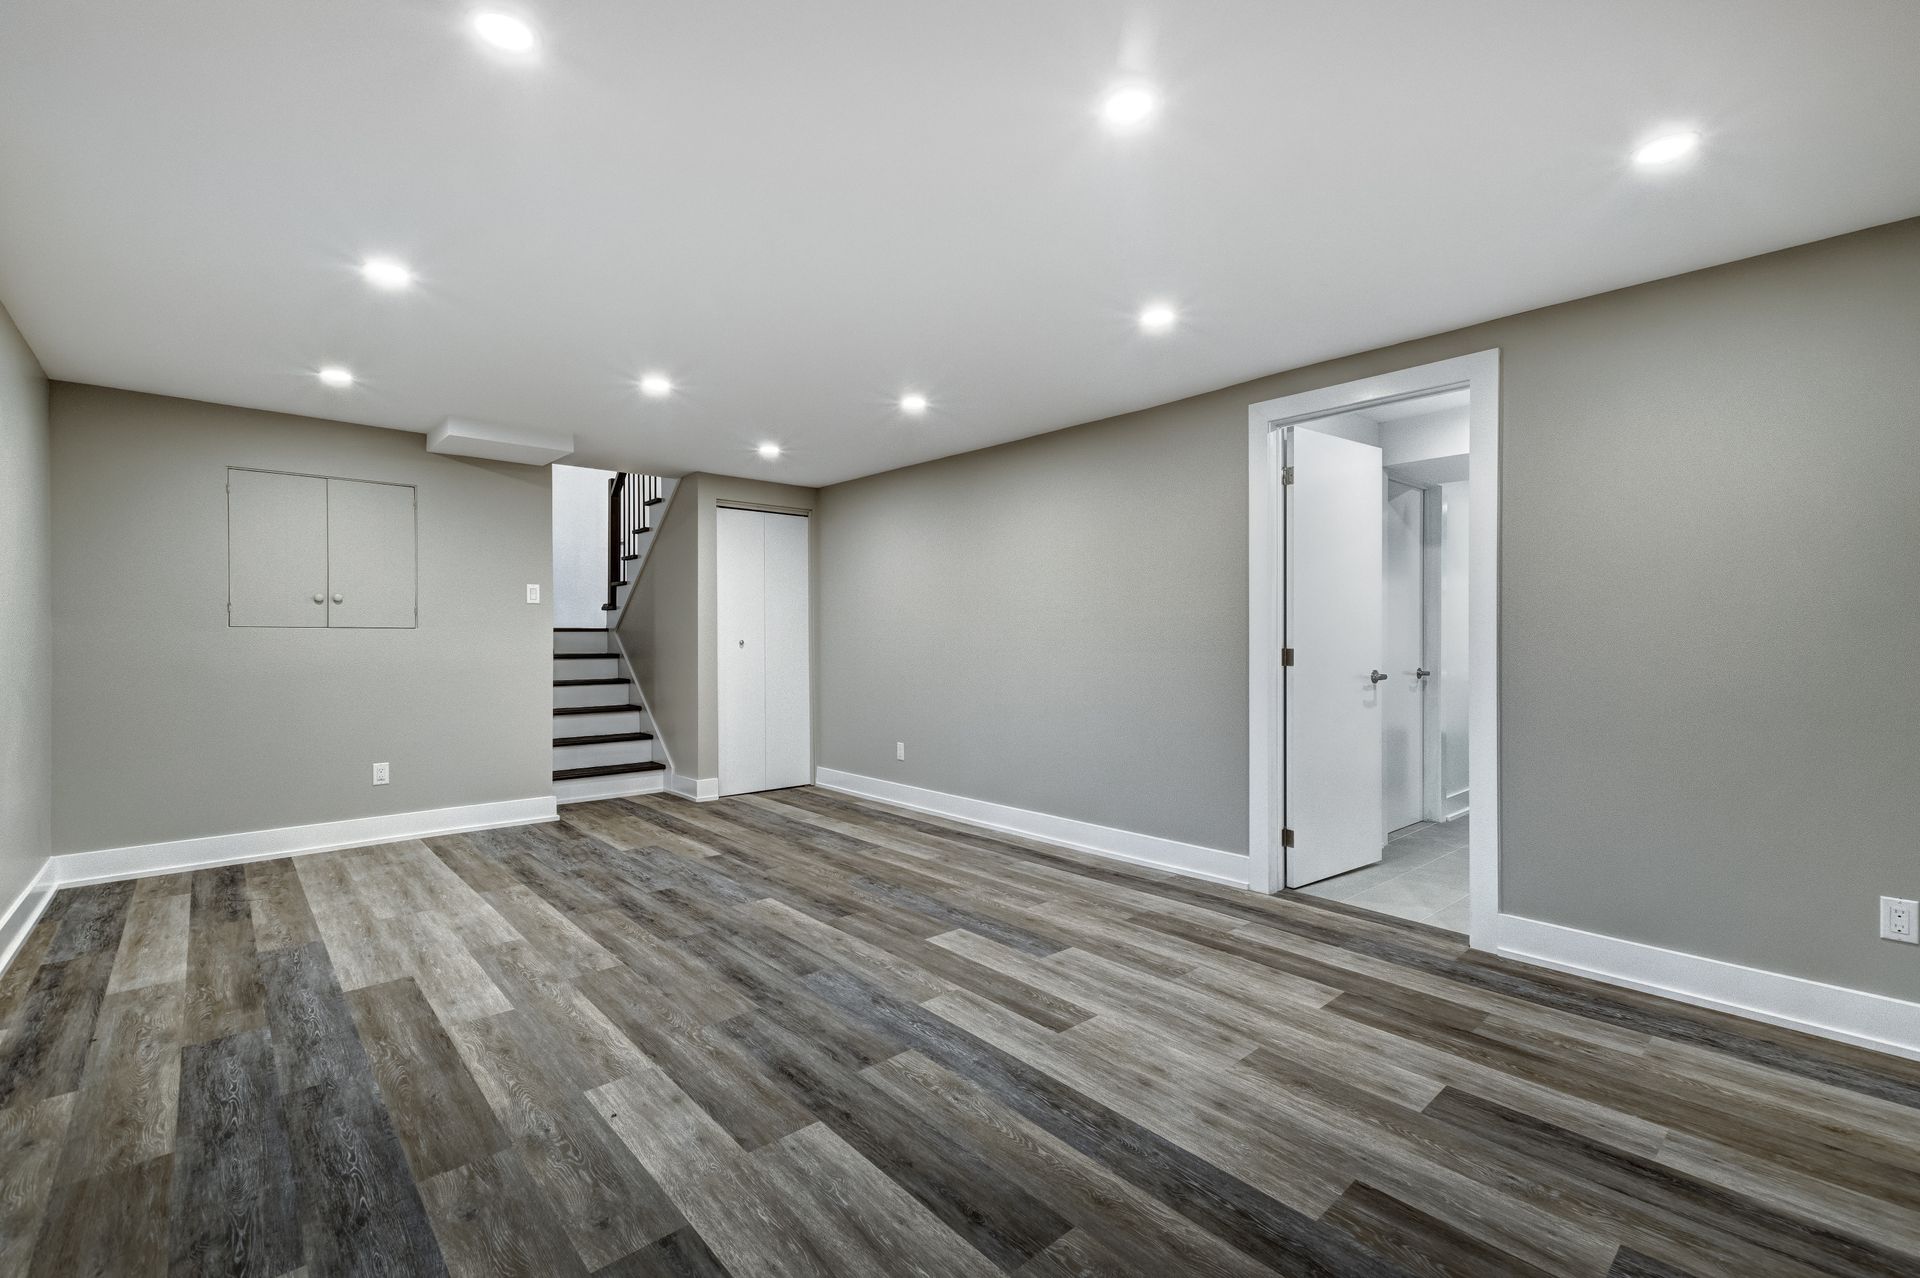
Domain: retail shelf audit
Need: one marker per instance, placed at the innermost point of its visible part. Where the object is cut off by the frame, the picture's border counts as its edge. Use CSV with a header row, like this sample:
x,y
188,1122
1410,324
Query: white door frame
x,y
1479,374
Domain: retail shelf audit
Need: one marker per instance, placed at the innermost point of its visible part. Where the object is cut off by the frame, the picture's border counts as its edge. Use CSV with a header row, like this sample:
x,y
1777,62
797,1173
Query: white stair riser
x,y
594,694
576,641
629,719
597,668
583,788
592,756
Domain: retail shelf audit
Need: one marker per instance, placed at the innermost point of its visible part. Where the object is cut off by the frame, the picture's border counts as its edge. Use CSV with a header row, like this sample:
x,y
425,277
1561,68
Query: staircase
x,y
630,525
603,744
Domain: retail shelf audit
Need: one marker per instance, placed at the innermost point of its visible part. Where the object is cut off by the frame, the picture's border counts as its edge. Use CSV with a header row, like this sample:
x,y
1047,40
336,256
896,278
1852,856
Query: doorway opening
x,y
1372,644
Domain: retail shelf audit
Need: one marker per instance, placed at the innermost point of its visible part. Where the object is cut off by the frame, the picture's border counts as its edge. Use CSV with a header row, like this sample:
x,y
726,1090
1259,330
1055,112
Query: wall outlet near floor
x,y
1899,920
533,593
380,774
899,749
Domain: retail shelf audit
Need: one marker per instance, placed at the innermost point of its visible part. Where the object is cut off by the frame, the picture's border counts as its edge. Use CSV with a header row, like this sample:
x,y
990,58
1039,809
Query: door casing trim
x,y
1479,374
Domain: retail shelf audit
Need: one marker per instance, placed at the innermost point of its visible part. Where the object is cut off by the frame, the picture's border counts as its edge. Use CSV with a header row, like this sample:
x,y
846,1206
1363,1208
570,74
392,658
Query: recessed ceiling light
x,y
656,386
913,402
385,272
770,451
1128,106
334,375
1667,148
504,31
1157,318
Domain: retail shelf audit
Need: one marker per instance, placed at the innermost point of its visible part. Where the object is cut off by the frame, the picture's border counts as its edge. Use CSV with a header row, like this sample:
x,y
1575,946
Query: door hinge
x,y
1286,656
1286,474
1286,838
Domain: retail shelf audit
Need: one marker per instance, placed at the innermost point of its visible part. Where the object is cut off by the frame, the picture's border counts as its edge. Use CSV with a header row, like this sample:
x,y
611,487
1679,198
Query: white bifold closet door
x,y
766,696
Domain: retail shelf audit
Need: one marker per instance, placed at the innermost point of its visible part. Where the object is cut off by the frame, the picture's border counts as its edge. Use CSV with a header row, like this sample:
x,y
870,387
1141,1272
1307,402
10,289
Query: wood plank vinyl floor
x,y
798,1034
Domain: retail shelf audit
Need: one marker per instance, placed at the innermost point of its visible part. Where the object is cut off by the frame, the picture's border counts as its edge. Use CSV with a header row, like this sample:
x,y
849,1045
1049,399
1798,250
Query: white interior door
x,y
765,661
788,646
740,614
1334,624
1403,696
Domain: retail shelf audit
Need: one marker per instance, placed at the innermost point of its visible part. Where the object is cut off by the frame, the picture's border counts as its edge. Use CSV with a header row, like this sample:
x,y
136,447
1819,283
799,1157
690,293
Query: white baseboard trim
x,y
1190,859
24,913
699,789
142,860
1832,1011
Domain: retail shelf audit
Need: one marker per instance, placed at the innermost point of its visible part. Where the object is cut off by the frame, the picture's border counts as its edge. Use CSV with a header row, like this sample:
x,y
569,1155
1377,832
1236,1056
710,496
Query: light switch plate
x,y
533,593
899,749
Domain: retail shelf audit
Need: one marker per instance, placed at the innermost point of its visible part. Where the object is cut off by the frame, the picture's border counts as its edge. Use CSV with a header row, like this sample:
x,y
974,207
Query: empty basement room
x,y
905,639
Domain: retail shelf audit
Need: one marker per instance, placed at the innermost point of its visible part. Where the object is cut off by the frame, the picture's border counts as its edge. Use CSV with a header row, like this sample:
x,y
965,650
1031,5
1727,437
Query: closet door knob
x,y
319,598
1375,677
338,599
1421,674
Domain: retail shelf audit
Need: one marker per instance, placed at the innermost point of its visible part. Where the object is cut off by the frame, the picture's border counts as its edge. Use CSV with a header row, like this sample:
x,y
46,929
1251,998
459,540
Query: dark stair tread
x,y
609,709
607,770
582,683
603,738
654,501
580,630
583,656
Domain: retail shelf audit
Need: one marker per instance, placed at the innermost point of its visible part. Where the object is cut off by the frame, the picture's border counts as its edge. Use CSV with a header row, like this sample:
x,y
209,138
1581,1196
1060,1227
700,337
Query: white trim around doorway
x,y
1479,374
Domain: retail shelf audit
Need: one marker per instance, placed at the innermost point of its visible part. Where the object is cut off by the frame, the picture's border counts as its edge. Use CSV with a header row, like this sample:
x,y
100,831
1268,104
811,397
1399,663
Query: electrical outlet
x,y
533,593
1899,920
379,774
899,749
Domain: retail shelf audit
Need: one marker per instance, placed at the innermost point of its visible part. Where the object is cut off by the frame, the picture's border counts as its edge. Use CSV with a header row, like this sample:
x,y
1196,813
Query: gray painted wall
x,y
674,662
1708,599
26,610
661,633
168,724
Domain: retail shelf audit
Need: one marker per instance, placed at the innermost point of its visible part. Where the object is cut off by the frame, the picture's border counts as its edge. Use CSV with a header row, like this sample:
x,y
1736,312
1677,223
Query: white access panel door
x,y
1334,566
1403,695
370,554
788,645
761,614
276,549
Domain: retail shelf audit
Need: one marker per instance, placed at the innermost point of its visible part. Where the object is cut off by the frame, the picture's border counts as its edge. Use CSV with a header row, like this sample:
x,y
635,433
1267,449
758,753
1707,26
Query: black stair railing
x,y
630,502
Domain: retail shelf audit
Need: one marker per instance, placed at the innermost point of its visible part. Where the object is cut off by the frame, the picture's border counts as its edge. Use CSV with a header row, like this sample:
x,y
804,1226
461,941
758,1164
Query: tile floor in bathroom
x,y
1422,876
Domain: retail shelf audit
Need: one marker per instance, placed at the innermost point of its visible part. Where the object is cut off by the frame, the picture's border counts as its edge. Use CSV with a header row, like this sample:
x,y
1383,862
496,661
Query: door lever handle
x,y
1376,677
1421,674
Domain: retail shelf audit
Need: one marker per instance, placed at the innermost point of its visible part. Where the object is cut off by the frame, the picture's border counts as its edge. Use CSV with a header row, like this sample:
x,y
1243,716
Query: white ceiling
x,y
801,210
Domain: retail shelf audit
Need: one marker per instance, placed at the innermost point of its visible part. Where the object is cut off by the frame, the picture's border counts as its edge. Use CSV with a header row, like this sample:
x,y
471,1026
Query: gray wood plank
x,y
114,1223
124,1115
442,1118
235,1206
493,1222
